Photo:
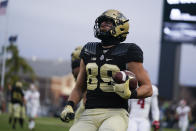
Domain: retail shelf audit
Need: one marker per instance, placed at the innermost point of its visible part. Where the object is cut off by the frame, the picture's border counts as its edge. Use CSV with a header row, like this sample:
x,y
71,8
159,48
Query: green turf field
x,y
42,124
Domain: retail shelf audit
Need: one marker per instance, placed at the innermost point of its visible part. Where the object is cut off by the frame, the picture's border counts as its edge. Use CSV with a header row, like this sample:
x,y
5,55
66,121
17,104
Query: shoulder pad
x,y
90,48
121,49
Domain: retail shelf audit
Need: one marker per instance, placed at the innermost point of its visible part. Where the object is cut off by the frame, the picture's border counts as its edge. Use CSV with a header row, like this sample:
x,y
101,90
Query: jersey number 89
x,y
106,73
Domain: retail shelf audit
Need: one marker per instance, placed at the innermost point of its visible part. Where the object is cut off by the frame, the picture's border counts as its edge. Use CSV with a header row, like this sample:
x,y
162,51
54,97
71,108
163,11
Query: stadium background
x,y
47,32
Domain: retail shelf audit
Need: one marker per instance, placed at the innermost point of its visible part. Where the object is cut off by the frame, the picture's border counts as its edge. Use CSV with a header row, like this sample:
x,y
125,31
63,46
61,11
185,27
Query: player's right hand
x,y
67,114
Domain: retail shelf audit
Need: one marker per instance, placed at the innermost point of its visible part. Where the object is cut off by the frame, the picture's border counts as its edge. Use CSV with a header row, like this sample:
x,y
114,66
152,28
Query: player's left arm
x,y
145,89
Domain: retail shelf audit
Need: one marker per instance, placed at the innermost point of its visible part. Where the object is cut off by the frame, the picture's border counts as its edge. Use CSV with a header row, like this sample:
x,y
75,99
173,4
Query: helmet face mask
x,y
119,30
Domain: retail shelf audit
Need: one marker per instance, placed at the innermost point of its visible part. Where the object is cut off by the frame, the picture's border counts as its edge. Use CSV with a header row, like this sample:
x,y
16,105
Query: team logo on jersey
x,y
101,57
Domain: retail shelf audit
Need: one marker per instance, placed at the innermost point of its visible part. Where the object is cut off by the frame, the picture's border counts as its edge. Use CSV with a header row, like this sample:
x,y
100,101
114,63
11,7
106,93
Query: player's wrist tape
x,y
133,94
71,103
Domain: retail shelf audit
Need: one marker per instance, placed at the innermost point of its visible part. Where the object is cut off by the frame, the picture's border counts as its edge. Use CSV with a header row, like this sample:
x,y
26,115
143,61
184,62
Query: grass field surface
x,y
42,124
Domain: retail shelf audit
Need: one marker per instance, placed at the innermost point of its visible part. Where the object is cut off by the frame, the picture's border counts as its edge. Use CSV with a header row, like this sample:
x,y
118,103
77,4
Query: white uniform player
x,y
183,111
32,98
139,112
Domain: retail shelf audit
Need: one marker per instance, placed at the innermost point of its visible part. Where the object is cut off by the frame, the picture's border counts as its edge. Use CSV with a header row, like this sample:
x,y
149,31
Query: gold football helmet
x,y
120,27
75,57
76,53
19,84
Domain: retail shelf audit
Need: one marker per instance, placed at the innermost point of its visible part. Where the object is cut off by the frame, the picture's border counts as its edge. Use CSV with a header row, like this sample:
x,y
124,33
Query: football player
x,y
75,64
106,101
10,111
17,101
139,112
183,114
32,102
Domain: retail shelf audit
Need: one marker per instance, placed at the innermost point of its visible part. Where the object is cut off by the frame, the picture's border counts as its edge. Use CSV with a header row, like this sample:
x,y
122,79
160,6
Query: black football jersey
x,y
101,64
17,95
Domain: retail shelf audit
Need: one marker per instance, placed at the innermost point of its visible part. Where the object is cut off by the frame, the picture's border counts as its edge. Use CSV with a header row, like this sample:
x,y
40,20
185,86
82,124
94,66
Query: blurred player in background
x,y
106,101
75,64
139,113
9,105
183,112
17,100
32,102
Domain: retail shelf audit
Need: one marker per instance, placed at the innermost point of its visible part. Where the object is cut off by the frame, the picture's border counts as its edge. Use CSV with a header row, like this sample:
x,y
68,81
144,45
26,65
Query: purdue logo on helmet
x,y
120,27
75,57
